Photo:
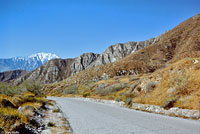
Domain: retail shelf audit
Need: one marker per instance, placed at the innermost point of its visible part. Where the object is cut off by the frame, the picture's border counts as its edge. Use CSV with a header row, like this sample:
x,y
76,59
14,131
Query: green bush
x,y
150,86
10,90
110,89
33,87
117,87
128,101
104,92
71,90
119,98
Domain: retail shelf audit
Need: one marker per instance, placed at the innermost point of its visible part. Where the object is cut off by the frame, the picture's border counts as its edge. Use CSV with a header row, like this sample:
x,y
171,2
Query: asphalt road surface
x,y
97,118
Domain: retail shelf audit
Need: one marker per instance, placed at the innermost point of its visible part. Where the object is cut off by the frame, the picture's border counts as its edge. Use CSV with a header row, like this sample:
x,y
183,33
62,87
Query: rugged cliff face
x,y
82,62
59,69
11,75
182,42
52,71
121,50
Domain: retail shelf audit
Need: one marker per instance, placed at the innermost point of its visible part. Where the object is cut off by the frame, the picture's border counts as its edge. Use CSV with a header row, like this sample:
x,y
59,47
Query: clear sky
x,y
69,28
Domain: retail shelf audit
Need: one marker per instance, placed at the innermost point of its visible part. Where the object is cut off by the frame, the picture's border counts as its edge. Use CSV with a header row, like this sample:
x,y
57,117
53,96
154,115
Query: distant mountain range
x,y
27,63
59,69
11,75
129,58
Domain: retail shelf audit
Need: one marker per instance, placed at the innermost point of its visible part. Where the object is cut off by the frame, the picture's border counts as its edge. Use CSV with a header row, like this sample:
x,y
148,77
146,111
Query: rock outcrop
x,y
58,69
11,75
121,50
179,43
50,72
82,62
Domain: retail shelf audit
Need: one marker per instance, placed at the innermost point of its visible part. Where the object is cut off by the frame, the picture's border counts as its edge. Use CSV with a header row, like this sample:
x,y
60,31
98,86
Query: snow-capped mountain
x,y
27,63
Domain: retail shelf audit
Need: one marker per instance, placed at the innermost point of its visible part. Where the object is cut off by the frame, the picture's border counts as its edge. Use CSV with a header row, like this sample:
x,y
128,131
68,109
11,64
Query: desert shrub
x,y
169,103
150,86
103,92
10,90
117,87
71,90
41,100
101,86
33,87
51,102
119,98
16,110
17,99
31,105
51,124
110,89
91,85
28,95
86,94
9,116
133,86
56,110
6,101
128,101
134,78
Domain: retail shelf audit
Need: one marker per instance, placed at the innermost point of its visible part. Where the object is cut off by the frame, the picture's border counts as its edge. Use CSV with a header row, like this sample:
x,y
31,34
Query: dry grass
x,y
35,105
180,80
7,101
164,71
28,94
11,116
178,43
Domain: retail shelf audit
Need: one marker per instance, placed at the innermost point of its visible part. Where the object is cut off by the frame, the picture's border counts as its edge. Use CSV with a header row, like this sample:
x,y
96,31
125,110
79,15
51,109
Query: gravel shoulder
x,y
54,120
86,117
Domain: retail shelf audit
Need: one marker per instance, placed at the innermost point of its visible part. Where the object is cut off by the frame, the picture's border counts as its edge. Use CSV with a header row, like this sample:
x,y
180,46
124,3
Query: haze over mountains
x,y
27,63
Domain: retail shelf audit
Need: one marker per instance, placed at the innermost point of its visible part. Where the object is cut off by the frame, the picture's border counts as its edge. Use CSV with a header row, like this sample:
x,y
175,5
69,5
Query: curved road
x,y
97,118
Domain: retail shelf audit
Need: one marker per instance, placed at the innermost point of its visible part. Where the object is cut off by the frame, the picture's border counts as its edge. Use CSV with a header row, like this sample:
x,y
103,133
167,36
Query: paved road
x,y
95,118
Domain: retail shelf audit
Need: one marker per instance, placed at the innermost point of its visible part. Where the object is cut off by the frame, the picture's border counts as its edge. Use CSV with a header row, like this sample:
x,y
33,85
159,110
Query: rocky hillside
x,y
27,63
121,50
82,62
164,73
183,41
11,75
60,69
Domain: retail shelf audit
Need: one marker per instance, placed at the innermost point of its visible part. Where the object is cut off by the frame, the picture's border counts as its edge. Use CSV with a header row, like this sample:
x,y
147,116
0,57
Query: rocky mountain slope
x,y
164,73
11,75
121,50
60,69
28,63
183,41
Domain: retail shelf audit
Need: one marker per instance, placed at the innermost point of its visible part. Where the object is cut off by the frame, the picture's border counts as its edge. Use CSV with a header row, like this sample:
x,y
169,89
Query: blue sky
x,y
69,28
